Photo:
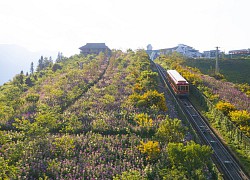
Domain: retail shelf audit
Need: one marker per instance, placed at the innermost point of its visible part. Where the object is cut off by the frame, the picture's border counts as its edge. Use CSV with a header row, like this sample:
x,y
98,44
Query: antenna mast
x,y
216,62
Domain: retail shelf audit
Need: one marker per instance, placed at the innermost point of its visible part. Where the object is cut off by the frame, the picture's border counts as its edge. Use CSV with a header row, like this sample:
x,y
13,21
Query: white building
x,y
181,48
187,51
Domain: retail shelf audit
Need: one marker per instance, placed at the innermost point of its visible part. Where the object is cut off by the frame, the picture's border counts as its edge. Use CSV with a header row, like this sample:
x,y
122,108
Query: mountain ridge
x,y
15,58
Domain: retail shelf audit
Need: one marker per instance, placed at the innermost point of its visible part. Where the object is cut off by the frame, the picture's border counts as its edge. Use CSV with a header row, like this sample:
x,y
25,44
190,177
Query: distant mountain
x,y
14,59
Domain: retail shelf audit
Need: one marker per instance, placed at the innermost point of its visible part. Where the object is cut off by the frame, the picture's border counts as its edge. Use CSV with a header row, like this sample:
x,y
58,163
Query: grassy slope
x,y
236,71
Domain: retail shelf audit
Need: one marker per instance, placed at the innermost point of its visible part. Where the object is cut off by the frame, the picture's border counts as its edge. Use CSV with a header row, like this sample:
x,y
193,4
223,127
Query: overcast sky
x,y
65,25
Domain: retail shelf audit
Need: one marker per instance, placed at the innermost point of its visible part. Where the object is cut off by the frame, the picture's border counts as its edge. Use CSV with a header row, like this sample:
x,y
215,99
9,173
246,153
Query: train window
x,y
179,88
182,88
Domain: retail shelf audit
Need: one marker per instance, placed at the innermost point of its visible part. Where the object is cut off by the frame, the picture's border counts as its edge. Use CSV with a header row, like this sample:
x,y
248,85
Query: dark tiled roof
x,y
94,46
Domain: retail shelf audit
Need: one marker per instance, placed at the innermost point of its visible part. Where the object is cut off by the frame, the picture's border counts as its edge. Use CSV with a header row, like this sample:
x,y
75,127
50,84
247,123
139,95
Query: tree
x,y
18,79
47,62
21,77
31,68
173,173
56,67
50,60
170,130
59,57
44,63
193,158
40,65
29,82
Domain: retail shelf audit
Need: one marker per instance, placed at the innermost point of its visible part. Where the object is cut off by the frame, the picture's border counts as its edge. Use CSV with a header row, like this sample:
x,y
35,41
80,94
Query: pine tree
x,y
31,68
59,57
40,64
50,60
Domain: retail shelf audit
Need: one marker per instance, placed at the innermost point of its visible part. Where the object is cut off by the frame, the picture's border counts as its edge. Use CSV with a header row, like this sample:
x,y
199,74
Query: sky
x,y
66,25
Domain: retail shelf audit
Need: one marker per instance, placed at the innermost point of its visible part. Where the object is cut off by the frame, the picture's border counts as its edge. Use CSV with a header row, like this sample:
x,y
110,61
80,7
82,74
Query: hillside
x,y
236,71
95,117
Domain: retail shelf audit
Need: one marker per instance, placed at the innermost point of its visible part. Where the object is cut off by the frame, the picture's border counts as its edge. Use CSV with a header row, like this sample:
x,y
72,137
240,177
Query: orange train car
x,y
179,84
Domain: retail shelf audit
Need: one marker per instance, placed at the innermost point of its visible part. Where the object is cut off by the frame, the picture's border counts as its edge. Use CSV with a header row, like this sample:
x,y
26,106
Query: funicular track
x,y
223,159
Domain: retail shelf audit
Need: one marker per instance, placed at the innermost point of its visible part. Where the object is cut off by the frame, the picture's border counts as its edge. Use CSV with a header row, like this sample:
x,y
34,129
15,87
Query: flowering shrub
x,y
245,88
170,130
151,149
242,119
225,107
144,121
149,99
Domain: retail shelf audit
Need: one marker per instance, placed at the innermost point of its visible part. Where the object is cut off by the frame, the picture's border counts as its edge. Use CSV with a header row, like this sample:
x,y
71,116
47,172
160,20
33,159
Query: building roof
x,y
239,51
94,46
176,76
168,49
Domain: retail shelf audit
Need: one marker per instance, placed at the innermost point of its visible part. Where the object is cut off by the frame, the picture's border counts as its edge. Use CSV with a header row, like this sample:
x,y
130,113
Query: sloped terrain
x,y
94,117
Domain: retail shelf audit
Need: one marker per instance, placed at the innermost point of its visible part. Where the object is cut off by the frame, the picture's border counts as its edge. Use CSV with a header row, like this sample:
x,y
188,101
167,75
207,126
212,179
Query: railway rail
x,y
223,159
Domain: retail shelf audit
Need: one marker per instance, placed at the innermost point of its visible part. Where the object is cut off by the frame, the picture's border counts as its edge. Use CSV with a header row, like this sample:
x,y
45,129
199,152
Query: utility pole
x,y
216,62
